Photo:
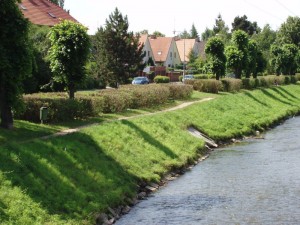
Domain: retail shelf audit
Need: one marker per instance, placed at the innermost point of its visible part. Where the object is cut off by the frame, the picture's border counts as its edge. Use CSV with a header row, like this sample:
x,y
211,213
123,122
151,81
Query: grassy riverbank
x,y
66,180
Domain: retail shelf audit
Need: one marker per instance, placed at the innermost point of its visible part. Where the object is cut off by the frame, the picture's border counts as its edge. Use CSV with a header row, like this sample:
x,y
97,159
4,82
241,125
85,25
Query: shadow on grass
x,y
248,93
149,139
3,215
23,131
267,93
286,92
70,176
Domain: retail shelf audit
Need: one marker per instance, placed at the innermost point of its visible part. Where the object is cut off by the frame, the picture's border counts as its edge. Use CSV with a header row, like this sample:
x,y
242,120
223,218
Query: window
x,y
22,7
52,15
175,55
171,55
159,52
149,53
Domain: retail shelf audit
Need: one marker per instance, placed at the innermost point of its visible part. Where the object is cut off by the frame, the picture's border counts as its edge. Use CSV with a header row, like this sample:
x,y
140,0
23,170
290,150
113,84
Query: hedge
x,y
209,85
161,79
103,101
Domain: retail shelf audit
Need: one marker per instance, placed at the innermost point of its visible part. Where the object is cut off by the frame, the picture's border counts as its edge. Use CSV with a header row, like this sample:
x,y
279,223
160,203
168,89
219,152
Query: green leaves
x,y
68,53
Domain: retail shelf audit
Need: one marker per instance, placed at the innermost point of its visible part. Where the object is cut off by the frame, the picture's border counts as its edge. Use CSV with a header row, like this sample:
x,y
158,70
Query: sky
x,y
167,15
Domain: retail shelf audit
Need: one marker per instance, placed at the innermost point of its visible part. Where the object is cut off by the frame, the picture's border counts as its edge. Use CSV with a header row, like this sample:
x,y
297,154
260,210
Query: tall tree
x,y
194,32
220,26
185,35
285,58
15,58
69,54
289,32
238,52
117,50
215,49
242,23
208,33
256,61
264,40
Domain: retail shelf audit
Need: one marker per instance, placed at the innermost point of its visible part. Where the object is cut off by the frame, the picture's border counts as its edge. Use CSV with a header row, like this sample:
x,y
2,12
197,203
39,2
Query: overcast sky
x,y
167,15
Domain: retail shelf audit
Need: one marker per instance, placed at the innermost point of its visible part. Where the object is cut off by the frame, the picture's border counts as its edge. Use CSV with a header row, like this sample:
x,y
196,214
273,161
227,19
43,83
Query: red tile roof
x,y
43,12
160,47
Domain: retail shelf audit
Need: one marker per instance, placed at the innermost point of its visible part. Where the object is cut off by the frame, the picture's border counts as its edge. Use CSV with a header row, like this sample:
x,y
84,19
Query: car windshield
x,y
188,76
139,78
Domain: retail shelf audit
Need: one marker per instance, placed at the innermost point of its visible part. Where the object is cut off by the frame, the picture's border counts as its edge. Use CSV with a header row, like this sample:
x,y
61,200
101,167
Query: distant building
x,y
44,12
185,46
165,51
147,50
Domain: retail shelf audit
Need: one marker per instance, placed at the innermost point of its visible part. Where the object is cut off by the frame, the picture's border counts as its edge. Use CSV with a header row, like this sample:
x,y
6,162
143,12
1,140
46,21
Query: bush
x,y
161,79
287,80
293,79
231,85
104,101
297,76
60,108
201,76
209,85
180,91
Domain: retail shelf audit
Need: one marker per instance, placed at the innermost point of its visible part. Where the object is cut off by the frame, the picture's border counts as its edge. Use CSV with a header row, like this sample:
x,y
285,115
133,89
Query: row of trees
x,y
248,49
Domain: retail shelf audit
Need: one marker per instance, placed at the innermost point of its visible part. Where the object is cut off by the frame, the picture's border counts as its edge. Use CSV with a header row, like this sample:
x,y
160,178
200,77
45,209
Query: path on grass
x,y
73,130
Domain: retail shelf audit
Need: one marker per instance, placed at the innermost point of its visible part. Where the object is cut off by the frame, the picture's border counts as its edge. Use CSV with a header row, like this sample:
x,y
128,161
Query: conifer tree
x,y
118,53
194,32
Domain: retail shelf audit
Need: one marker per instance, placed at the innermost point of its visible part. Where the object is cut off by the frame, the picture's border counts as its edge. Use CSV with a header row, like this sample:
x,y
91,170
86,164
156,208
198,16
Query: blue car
x,y
140,80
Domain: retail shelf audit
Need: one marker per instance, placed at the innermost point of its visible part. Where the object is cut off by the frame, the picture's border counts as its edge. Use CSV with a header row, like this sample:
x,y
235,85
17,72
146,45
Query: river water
x,y
255,182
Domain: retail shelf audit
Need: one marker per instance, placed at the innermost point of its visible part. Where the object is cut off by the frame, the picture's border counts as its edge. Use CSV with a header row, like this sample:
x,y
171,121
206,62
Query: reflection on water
x,y
257,183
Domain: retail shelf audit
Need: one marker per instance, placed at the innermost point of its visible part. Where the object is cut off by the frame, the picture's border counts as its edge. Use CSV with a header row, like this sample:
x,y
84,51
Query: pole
x,y
183,60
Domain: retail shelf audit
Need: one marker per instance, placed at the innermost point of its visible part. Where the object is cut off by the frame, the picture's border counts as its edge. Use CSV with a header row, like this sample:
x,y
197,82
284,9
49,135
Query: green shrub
x,y
293,79
59,109
231,85
209,85
201,76
180,91
161,79
297,76
287,80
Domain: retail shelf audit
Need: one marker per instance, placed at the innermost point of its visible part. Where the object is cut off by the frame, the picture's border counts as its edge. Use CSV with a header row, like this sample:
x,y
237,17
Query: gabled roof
x,y
160,47
43,12
184,47
143,38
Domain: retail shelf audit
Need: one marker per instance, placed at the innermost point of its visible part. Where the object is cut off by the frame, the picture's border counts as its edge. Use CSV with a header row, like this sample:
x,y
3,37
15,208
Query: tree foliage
x,y
118,53
208,33
61,3
157,33
15,58
289,32
240,40
215,49
194,32
68,53
242,23
285,58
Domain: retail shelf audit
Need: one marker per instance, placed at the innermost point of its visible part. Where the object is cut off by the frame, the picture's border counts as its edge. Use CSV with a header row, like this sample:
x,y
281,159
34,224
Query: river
x,y
254,182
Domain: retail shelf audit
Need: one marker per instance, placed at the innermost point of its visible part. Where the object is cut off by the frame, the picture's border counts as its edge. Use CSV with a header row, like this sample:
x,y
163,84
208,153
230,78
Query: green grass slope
x,y
66,180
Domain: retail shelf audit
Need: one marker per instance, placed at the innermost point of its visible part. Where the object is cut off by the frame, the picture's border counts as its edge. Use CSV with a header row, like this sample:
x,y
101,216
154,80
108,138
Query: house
x,y
165,51
185,46
43,12
147,50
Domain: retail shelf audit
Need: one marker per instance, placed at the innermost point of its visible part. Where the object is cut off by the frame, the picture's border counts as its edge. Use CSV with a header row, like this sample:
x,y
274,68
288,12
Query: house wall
x,y
173,57
148,51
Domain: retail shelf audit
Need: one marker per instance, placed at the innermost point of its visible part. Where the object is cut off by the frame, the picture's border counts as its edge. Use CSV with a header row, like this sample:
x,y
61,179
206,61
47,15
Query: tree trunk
x,y
6,116
71,91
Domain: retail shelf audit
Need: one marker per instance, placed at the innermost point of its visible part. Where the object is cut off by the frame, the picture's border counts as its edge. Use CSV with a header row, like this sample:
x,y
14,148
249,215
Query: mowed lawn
x,y
68,179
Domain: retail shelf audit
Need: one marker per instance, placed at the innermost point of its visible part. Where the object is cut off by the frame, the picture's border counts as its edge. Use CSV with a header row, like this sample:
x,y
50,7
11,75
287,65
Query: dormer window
x,y
52,15
22,7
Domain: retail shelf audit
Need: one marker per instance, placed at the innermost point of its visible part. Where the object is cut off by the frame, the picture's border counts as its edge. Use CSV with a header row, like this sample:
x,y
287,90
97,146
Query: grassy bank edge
x,y
102,158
